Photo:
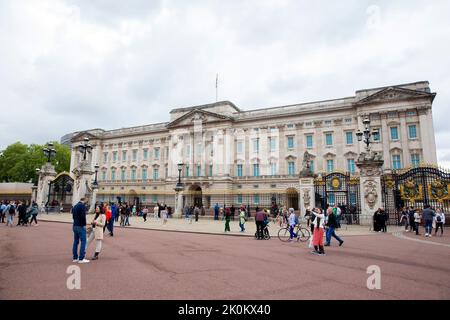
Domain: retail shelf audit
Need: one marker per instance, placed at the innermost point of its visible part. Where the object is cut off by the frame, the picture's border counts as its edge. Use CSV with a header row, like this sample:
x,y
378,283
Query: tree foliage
x,y
18,162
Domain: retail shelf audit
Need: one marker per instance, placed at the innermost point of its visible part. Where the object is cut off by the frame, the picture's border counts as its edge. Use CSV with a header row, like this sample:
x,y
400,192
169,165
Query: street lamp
x,y
85,147
37,174
366,134
49,151
95,183
179,187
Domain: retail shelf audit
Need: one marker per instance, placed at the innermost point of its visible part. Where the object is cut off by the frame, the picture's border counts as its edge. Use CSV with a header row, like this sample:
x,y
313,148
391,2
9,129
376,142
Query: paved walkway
x,y
208,226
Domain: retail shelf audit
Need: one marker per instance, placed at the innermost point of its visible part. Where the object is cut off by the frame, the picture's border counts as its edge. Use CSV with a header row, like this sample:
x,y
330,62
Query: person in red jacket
x,y
108,214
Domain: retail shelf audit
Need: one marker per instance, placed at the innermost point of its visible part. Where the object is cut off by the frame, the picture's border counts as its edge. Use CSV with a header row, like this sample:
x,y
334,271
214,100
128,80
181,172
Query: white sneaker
x,y
83,261
75,260
426,234
429,235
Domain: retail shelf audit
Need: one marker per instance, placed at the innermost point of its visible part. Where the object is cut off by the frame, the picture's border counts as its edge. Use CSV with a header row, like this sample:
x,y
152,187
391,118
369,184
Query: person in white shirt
x,y
319,223
439,219
155,212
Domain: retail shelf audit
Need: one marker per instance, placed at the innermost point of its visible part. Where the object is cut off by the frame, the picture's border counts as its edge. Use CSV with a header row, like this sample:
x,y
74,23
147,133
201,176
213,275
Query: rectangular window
x,y
155,198
411,113
145,154
291,168
311,165
144,174
167,152
256,170
186,171
308,124
415,160
394,133
114,156
103,175
239,198
412,129
122,175
155,174
199,148
239,170
330,165
272,144
188,150
290,143
396,162
273,169
256,199
240,147
349,137
156,153
124,156
351,165
329,139
113,175
290,126
377,137
105,157
256,145
135,155
133,174
210,170
199,171
348,120
309,141
328,122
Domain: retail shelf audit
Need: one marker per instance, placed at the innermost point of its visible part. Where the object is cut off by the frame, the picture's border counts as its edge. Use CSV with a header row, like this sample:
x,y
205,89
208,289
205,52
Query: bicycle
x,y
301,233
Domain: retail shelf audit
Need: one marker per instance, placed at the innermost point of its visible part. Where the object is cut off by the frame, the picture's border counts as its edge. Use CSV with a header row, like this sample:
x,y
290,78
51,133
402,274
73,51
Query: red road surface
x,y
145,264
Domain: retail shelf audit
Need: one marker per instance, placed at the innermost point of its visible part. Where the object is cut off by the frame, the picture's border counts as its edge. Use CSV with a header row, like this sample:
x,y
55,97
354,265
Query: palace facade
x,y
232,156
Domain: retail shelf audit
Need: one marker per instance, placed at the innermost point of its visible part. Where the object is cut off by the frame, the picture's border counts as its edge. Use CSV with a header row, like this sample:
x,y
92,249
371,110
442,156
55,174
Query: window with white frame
x,y
240,147
351,165
273,169
349,137
145,154
133,174
415,160
396,162
290,142
291,168
256,145
156,151
272,144
239,170
135,152
124,155
105,157
330,165
114,156
155,174
328,139
394,133
113,174
144,173
412,131
309,141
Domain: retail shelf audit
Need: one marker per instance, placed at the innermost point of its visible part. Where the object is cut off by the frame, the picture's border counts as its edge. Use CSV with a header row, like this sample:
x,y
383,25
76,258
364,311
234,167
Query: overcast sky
x,y
69,65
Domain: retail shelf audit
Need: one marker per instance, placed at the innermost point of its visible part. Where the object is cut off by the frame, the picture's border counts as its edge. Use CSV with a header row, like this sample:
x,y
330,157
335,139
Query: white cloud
x,y
68,65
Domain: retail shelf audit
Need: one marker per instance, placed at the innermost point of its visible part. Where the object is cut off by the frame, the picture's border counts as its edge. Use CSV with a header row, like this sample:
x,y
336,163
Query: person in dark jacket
x,y
383,217
79,231
22,209
412,223
332,225
259,220
428,216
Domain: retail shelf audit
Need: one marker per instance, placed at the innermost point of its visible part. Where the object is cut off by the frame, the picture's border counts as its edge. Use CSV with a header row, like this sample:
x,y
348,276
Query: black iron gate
x,y
415,188
61,192
342,190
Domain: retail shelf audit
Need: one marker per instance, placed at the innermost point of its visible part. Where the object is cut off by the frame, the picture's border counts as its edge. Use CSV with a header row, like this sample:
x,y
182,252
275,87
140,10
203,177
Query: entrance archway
x,y
292,198
195,195
133,199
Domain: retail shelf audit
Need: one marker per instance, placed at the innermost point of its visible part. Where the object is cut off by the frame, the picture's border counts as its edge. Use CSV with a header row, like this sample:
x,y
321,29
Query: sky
x,y
71,65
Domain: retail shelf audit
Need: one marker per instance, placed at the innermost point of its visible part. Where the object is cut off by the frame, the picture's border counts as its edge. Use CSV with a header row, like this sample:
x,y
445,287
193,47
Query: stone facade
x,y
231,155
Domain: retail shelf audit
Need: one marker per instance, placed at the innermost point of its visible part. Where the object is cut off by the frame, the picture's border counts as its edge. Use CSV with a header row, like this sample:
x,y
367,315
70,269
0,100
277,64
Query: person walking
x,y
428,215
259,220
164,215
190,214
332,224
412,224
318,233
108,214
156,212
216,212
417,220
383,220
440,221
227,219
10,213
2,212
22,211
144,213
79,231
292,223
114,214
233,211
404,219
96,232
127,215
242,220
34,212
196,213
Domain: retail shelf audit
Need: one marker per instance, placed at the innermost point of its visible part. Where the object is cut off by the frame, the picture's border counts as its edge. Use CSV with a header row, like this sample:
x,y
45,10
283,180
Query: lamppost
x,y
94,190
178,188
366,134
95,183
85,147
49,151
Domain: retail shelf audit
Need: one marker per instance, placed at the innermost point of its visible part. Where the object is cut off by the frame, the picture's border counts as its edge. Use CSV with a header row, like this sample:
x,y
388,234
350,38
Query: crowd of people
x,y
26,214
430,218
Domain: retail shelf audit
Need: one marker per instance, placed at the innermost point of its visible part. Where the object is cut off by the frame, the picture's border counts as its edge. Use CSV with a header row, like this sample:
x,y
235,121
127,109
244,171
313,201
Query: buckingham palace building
x,y
233,156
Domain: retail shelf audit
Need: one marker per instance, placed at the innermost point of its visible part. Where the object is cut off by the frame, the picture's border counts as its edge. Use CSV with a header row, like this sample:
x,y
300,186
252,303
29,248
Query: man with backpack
x,y
440,221
332,224
2,212
11,212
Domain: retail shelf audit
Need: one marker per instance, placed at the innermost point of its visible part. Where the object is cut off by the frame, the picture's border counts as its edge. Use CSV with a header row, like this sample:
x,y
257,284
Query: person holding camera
x,y
96,231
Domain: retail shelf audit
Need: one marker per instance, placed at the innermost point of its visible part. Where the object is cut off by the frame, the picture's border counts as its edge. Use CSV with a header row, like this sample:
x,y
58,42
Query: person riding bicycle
x,y
293,220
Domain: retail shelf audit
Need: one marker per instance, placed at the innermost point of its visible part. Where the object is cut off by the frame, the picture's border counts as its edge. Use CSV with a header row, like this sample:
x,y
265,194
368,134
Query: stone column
x,y
370,185
83,176
46,175
307,195
178,204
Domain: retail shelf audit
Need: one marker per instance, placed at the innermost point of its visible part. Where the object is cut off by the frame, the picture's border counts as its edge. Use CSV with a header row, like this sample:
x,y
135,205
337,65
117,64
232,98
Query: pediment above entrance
x,y
198,116
395,94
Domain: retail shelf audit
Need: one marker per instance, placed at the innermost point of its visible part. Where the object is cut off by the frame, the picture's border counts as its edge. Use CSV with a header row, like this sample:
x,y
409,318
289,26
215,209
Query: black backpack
x,y
438,219
12,209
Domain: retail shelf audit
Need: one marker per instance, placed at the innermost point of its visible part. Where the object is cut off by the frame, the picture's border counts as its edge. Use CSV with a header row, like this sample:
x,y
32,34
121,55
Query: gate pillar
x,y
82,182
46,176
369,165
307,194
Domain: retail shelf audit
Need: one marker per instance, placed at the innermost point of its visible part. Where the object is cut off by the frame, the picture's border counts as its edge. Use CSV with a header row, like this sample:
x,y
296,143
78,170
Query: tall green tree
x,y
18,162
